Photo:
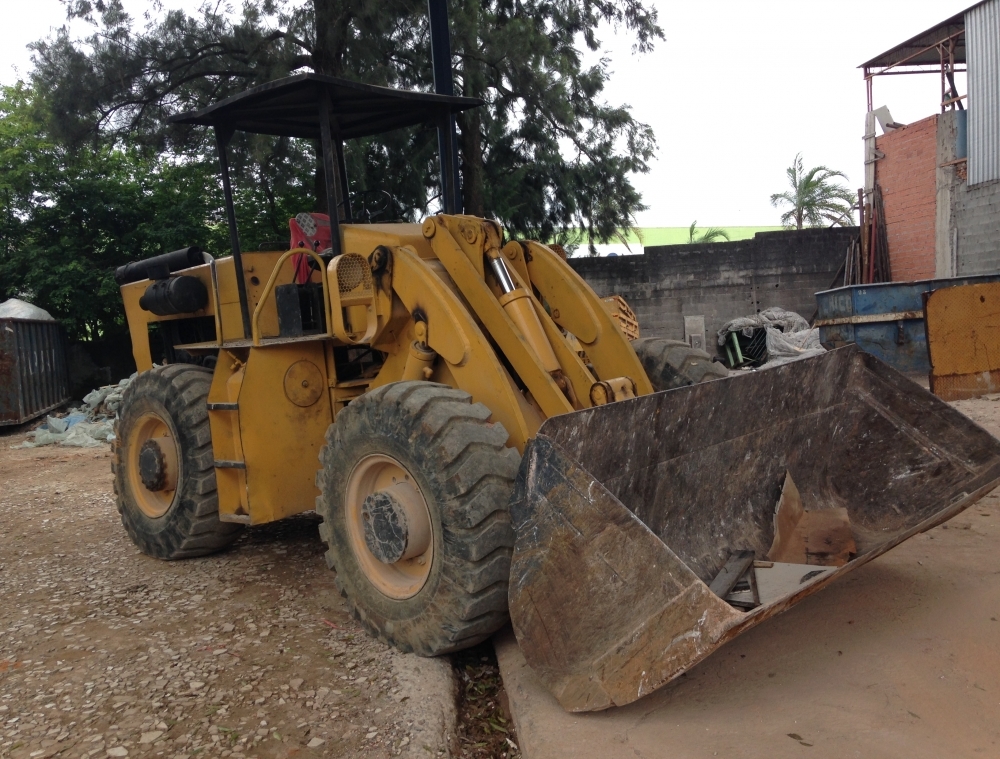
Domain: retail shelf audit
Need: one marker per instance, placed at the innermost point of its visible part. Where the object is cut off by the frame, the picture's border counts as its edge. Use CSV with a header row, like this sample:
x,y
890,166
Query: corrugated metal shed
x,y
34,377
982,32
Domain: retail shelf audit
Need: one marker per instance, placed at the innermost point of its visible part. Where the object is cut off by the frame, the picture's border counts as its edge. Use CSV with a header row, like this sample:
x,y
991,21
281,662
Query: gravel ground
x,y
249,653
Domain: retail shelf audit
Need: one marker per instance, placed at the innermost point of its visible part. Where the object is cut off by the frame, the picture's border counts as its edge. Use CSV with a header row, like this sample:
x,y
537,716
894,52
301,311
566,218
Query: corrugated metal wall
x,y
34,376
982,44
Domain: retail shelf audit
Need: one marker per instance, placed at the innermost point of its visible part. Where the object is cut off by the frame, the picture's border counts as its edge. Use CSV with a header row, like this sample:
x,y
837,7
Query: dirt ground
x,y
251,653
900,658
106,652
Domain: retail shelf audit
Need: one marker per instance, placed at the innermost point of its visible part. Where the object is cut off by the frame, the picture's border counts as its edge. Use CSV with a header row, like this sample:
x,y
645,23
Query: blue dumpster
x,y
886,320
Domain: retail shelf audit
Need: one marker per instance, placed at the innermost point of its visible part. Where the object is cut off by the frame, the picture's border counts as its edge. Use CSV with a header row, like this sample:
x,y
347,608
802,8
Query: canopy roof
x,y
290,107
921,50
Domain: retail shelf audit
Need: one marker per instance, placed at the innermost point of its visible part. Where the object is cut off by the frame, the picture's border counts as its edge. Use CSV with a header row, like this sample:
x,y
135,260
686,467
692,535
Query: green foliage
x,y
709,235
93,175
550,159
545,156
815,200
69,217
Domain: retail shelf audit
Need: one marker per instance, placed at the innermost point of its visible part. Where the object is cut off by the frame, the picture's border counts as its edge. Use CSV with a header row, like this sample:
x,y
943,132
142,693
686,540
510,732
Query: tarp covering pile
x,y
19,309
89,426
788,336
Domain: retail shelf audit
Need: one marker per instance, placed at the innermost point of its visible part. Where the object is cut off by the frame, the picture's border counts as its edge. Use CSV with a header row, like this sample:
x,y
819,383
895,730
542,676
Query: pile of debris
x,y
86,426
769,338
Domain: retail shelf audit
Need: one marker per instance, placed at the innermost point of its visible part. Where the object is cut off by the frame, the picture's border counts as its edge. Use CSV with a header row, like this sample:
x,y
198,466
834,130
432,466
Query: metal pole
x,y
329,159
223,134
944,83
444,85
344,187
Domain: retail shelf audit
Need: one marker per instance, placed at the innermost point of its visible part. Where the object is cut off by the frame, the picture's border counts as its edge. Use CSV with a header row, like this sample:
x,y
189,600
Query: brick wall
x,y
908,177
720,281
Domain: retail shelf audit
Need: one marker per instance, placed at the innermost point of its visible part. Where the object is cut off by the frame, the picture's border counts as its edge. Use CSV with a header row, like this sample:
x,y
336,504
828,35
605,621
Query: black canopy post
x,y
223,134
444,85
344,186
329,169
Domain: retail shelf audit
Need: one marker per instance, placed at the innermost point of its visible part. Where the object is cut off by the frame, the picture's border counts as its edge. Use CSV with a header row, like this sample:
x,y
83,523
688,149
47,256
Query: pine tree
x,y
546,156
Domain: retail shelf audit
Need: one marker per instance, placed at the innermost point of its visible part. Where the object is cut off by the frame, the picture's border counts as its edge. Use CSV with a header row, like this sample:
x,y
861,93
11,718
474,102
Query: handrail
x,y
216,301
255,328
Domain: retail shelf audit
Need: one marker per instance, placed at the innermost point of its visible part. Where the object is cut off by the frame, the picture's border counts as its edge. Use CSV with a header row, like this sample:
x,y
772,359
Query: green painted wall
x,y
680,235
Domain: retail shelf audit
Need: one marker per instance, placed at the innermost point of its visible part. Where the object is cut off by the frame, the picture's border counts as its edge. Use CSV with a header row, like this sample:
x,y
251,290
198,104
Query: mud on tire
x,y
672,363
465,475
176,394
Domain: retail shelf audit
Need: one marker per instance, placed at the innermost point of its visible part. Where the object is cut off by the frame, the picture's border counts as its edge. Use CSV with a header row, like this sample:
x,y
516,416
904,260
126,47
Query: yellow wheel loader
x,y
483,442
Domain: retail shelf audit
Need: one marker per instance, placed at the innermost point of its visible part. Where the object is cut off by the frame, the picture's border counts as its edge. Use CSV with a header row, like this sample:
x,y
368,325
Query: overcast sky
x,y
735,91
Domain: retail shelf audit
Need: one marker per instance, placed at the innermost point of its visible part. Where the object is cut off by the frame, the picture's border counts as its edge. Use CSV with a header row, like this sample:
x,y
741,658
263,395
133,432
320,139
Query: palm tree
x,y
709,235
814,199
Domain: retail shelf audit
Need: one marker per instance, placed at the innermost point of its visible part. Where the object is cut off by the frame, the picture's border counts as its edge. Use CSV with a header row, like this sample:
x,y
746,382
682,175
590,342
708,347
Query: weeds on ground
x,y
485,730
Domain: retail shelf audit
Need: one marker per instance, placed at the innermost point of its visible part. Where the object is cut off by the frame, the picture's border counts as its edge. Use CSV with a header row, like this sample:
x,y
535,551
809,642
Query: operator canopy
x,y
289,107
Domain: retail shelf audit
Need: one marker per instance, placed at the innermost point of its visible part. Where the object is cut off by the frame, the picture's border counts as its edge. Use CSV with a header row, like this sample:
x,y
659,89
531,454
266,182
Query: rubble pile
x,y
771,337
86,426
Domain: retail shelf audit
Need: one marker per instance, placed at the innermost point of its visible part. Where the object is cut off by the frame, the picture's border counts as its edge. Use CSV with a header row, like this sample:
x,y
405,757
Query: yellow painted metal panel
x,y
468,360
139,320
484,304
364,238
963,340
577,309
282,439
226,443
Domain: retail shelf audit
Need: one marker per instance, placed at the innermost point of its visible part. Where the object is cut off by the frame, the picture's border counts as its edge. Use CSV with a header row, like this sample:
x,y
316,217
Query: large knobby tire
x,y
672,363
437,454
170,508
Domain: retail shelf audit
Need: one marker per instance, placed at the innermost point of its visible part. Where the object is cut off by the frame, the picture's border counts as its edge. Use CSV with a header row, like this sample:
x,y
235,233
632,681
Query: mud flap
x,y
624,514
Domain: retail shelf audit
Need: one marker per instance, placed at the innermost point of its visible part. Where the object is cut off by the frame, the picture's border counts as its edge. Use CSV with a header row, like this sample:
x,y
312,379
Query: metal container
x,y
886,320
34,377
963,340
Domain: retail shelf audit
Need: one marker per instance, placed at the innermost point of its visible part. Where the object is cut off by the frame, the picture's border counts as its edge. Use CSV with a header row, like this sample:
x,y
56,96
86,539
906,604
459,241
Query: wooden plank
x,y
820,537
731,573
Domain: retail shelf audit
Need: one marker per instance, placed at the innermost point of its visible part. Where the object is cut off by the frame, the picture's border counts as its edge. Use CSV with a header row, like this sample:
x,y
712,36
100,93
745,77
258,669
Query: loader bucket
x,y
626,514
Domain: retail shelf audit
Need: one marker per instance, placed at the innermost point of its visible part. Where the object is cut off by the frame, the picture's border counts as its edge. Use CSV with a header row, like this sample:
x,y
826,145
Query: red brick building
x,y
907,175
939,178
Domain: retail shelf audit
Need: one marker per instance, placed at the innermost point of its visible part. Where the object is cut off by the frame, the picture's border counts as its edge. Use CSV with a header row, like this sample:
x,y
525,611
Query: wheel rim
x,y
153,465
373,479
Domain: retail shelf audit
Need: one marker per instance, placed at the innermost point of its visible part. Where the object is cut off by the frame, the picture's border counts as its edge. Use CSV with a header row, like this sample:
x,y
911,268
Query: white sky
x,y
737,89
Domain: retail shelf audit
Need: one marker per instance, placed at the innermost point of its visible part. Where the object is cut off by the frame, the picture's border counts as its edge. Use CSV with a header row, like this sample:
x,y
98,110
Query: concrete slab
x,y
899,659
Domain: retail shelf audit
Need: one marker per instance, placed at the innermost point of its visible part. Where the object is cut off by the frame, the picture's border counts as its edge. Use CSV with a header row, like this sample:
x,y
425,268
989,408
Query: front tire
x,y
164,468
415,481
672,363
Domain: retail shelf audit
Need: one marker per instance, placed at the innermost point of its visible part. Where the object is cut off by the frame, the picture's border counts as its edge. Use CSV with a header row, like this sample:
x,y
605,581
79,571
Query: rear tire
x,y
672,363
168,405
459,463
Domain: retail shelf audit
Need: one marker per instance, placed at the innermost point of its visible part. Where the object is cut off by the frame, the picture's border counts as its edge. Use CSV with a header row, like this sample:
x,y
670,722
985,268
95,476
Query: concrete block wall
x,y
721,281
907,175
968,218
976,217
